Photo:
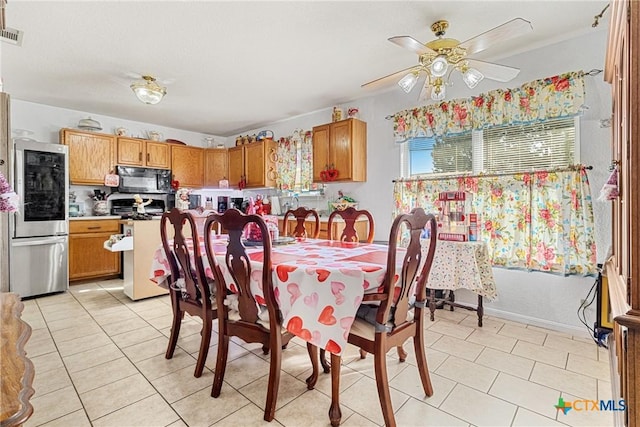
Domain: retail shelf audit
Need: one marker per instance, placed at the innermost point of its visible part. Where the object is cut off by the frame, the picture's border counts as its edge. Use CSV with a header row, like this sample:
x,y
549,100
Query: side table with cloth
x,y
461,265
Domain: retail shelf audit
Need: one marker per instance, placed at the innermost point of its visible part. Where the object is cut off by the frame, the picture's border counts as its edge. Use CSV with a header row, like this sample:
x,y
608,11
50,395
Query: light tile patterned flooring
x,y
99,360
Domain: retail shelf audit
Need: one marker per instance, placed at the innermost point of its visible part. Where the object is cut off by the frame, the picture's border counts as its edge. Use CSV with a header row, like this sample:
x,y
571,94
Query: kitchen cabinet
x,y
361,226
255,161
215,166
187,165
141,152
91,155
341,146
87,257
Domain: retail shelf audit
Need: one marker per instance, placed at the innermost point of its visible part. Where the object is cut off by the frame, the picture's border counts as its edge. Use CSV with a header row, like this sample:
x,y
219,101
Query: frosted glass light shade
x,y
472,77
148,91
408,82
438,92
439,66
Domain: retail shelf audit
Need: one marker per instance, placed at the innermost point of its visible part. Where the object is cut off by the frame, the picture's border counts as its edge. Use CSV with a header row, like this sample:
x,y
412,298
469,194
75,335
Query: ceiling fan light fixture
x,y
472,77
438,91
439,66
408,82
148,91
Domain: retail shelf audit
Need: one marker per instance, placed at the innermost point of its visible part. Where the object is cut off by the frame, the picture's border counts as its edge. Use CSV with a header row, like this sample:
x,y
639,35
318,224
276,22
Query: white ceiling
x,y
231,66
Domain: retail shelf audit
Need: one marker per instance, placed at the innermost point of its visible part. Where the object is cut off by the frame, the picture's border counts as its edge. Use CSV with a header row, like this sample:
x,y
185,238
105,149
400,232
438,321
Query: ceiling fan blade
x,y
412,44
382,81
501,73
514,28
425,92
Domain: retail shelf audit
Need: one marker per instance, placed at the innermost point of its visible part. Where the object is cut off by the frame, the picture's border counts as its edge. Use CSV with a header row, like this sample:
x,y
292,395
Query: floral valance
x,y
551,97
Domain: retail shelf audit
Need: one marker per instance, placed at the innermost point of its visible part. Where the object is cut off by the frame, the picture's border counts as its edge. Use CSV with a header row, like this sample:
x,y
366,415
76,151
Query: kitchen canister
x,y
100,208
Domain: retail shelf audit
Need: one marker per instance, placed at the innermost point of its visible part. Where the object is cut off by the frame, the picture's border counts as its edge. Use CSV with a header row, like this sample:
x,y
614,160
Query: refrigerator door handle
x,y
38,241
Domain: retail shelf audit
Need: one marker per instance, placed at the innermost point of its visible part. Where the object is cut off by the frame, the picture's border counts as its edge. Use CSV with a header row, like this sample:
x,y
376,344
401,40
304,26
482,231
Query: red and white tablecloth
x,y
319,284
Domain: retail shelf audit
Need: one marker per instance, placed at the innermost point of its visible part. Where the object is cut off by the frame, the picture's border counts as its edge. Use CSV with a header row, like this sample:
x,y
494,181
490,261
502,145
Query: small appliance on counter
x,y
195,201
223,203
236,203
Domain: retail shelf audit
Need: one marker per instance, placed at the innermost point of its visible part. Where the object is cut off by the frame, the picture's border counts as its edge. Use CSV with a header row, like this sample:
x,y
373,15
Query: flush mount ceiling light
x,y
148,91
439,58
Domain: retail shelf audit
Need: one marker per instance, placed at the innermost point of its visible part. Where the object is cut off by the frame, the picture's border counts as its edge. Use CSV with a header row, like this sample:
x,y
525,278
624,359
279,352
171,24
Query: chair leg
x,y
175,332
274,377
313,355
363,354
402,355
326,366
421,361
205,340
221,363
382,382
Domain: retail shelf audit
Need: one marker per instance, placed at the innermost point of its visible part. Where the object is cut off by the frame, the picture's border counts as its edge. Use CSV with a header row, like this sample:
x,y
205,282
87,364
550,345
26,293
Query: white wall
x,y
538,298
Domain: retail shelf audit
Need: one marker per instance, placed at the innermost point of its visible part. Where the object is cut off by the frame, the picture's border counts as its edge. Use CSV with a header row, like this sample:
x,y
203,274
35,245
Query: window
x,y
502,149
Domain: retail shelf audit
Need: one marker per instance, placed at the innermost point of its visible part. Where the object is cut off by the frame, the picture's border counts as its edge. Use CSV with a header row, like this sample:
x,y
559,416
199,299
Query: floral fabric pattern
x,y
294,163
551,97
540,221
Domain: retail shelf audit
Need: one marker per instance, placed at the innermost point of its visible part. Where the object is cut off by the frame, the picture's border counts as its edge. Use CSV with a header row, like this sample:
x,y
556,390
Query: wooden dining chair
x,y
400,313
350,215
301,214
242,314
189,287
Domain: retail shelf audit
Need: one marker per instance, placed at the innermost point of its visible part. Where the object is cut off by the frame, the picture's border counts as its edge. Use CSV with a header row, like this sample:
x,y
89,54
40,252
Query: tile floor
x,y
99,360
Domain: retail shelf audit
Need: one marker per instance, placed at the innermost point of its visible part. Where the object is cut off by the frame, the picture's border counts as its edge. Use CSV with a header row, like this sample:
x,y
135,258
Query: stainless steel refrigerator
x,y
39,231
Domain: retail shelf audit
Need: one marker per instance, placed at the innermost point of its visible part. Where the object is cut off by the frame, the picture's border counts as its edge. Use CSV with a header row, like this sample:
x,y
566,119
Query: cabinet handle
x,y
140,156
147,157
94,228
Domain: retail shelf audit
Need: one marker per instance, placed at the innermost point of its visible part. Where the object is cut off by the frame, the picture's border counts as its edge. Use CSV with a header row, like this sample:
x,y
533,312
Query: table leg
x,y
480,310
452,299
313,355
335,415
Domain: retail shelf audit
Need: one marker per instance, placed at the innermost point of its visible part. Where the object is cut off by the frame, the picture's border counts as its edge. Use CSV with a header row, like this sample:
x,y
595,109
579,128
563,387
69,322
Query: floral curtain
x,y
551,97
294,161
540,221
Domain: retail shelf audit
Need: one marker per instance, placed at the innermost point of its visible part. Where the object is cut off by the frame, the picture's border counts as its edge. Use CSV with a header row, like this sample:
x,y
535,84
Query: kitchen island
x,y
140,241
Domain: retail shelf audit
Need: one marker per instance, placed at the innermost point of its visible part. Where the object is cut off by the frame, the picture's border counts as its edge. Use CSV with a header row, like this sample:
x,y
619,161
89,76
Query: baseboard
x,y
542,323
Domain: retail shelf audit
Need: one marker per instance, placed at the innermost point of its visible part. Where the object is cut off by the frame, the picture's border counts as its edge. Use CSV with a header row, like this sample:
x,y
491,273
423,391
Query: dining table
x,y
319,285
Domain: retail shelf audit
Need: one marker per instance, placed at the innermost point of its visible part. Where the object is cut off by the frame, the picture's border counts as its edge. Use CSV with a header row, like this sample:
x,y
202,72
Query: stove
x,y
126,209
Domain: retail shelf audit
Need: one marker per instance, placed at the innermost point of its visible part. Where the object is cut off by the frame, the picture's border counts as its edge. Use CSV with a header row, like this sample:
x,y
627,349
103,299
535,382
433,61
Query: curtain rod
x,y
575,168
592,72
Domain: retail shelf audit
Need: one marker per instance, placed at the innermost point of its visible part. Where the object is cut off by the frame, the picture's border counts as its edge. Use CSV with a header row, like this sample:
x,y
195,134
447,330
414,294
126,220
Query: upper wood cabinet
x,y
256,162
141,152
342,146
91,155
187,165
215,166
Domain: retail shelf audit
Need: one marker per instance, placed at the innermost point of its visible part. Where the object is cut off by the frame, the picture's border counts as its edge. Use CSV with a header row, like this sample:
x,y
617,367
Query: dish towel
x,y
8,198
609,190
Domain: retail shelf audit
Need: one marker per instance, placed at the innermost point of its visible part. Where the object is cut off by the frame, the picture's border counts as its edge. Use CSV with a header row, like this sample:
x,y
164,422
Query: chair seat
x,y
231,301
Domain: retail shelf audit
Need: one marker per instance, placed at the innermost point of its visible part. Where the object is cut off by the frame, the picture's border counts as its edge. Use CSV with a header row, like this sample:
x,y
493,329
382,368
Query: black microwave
x,y
144,180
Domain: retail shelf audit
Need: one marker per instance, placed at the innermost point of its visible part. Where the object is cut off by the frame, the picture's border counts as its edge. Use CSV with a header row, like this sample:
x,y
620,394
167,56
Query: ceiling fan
x,y
444,55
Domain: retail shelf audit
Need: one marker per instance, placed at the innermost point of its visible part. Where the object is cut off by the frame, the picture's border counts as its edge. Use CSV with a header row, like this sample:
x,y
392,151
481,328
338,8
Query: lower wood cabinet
x,y
87,257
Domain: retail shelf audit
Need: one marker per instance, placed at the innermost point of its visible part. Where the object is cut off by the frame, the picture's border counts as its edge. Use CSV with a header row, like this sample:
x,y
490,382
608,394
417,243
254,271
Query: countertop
x,y
93,217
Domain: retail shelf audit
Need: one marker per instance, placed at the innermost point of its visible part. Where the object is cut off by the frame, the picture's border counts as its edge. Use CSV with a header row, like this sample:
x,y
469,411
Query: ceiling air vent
x,y
11,35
